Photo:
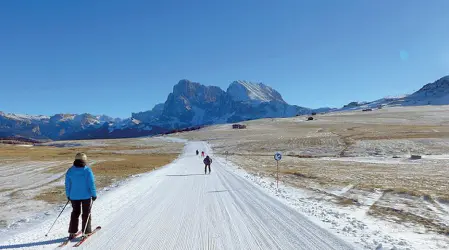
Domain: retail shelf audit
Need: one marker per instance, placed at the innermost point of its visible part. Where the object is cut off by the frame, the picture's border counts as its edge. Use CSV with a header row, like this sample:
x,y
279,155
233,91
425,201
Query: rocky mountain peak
x,y
244,91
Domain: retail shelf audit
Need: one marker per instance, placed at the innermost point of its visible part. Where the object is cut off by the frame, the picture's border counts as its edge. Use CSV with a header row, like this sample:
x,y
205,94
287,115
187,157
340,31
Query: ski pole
x,y
57,218
87,221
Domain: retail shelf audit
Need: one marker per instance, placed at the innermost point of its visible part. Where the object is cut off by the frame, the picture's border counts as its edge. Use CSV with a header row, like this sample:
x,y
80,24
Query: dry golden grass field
x,y
32,177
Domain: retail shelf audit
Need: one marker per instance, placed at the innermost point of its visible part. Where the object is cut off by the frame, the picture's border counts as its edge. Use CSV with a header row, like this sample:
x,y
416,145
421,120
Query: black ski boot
x,y
72,236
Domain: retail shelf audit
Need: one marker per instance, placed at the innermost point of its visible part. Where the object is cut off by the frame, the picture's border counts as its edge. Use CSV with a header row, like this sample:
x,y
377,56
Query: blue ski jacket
x,y
80,183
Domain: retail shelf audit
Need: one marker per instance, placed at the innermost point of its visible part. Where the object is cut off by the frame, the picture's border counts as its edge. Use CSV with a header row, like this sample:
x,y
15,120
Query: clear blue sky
x,y
117,57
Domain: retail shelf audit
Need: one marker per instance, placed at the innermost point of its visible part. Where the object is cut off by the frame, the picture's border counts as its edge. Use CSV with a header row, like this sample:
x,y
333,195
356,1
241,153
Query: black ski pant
x,y
205,168
85,205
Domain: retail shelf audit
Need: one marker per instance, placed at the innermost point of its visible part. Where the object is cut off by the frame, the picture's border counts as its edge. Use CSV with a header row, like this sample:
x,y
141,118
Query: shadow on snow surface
x,y
34,244
177,175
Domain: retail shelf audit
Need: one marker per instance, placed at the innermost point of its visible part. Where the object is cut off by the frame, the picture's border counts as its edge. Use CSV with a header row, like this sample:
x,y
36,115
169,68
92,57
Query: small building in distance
x,y
415,157
238,126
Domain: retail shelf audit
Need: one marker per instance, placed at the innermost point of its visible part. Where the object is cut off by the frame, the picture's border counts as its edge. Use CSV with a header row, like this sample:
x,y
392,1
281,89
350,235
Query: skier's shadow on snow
x,y
223,191
177,175
35,244
218,191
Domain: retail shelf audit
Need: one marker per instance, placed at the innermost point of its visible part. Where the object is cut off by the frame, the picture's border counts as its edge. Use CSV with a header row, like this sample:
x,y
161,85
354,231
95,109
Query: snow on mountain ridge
x,y
22,117
50,127
393,97
256,92
59,117
435,93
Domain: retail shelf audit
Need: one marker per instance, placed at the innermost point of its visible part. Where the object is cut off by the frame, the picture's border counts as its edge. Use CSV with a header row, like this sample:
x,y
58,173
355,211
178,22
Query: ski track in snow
x,y
178,207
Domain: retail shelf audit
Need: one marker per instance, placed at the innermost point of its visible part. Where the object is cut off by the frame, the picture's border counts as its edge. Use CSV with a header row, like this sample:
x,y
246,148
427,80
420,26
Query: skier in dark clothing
x,y
81,191
207,161
197,152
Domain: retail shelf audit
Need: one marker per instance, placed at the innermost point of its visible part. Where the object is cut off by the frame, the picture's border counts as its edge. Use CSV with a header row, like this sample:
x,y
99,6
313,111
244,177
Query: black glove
x,y
94,198
68,198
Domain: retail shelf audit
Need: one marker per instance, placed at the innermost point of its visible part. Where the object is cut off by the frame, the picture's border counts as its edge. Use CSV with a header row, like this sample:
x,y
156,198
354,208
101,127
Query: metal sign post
x,y
277,157
277,175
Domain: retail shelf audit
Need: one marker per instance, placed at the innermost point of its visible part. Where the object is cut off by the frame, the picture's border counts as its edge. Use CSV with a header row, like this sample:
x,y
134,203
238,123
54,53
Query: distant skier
x,y
81,191
207,161
202,154
197,152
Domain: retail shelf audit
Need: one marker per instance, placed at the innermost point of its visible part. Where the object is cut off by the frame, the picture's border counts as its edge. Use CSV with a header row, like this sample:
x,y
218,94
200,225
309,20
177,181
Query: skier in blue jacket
x,y
81,191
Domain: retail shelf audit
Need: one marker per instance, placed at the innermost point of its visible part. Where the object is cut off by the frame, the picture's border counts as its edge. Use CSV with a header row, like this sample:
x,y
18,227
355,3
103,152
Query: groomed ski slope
x,y
178,207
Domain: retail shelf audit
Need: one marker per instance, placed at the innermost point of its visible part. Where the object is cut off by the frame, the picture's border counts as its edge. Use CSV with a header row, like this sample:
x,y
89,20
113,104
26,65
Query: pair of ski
x,y
83,239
